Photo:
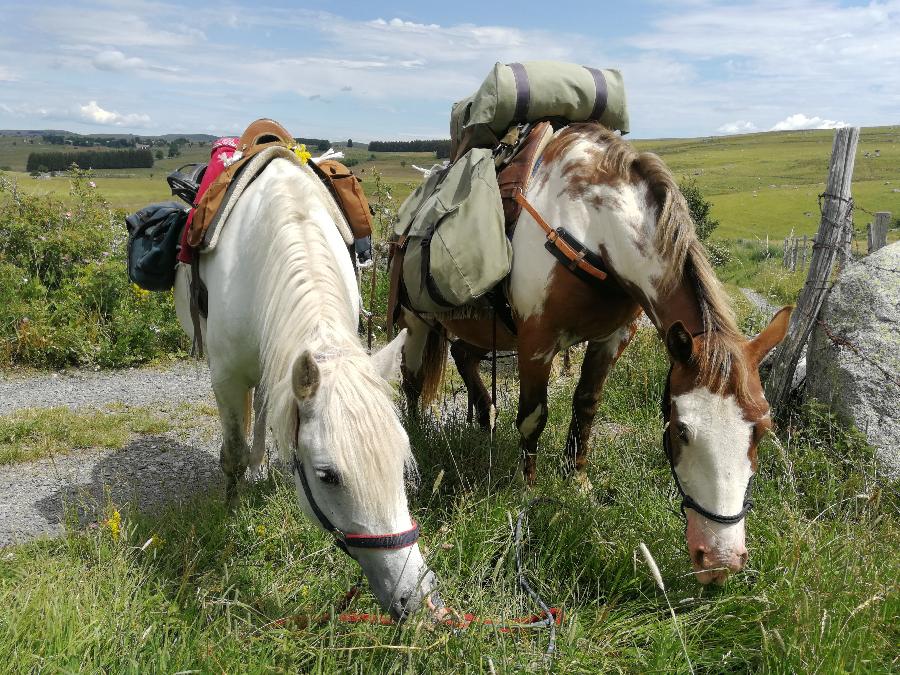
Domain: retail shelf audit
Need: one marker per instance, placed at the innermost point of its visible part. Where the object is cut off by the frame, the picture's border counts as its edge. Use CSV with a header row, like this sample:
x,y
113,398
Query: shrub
x,y
65,298
699,208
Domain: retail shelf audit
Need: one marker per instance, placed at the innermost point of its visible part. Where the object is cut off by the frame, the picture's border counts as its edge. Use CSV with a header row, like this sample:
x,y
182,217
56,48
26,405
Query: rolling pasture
x,y
195,589
759,184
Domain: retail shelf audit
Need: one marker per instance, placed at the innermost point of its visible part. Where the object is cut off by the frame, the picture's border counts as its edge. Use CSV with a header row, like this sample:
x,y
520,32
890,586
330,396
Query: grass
x,y
36,433
209,590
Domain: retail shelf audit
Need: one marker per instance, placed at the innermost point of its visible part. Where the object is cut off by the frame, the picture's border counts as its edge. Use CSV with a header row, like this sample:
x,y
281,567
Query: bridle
x,y
688,502
344,541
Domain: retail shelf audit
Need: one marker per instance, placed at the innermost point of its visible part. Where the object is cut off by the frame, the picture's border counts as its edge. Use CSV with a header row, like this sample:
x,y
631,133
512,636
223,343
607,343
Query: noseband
x,y
688,502
345,541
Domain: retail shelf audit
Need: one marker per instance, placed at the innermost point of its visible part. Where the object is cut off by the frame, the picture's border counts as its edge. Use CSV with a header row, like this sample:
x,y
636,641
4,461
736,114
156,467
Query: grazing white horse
x,y
282,318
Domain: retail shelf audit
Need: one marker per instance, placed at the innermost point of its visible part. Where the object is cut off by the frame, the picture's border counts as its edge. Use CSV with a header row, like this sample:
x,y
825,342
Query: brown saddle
x,y
261,134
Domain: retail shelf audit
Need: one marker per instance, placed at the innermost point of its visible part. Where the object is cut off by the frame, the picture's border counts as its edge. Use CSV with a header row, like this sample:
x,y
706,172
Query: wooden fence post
x,y
830,243
803,261
878,230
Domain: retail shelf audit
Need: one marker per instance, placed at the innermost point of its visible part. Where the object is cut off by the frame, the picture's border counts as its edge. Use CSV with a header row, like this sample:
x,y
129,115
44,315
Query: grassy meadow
x,y
759,184
196,589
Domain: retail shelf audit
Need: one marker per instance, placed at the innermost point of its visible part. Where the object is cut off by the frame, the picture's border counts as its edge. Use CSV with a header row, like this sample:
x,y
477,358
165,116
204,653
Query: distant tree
x,y
350,143
173,150
699,208
159,154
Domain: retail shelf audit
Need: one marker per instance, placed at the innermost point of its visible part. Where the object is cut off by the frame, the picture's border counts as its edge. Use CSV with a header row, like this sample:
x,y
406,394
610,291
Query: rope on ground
x,y
550,619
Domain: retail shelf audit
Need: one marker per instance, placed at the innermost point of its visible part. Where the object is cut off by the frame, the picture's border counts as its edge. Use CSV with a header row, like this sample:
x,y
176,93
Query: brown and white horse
x,y
626,207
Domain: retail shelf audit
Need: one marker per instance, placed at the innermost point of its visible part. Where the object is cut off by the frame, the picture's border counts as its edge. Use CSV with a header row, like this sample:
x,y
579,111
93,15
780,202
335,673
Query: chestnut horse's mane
x,y
720,359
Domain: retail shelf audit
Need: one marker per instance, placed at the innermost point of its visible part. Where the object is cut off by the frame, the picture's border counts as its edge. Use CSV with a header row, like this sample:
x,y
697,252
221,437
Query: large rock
x,y
856,369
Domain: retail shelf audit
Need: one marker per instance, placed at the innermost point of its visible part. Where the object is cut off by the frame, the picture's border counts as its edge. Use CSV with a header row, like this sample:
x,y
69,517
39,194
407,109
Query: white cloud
x,y
95,114
800,121
7,75
738,127
113,59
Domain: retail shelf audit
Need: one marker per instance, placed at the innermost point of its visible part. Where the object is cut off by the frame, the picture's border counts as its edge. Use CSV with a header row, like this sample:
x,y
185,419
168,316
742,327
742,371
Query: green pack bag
x,y
536,90
456,248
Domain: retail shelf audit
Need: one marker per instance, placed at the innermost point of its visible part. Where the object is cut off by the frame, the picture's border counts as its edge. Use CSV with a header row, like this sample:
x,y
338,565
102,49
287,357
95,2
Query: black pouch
x,y
153,236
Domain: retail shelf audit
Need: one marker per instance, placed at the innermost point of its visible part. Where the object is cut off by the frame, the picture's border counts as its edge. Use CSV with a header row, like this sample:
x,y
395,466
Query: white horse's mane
x,y
305,306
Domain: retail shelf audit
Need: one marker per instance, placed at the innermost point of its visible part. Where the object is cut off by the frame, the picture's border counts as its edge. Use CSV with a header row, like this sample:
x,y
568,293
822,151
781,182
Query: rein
x,y
688,502
346,541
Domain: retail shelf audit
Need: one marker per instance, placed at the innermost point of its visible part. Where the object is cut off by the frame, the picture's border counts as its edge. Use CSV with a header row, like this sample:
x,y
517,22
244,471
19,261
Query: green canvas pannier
x,y
535,90
456,248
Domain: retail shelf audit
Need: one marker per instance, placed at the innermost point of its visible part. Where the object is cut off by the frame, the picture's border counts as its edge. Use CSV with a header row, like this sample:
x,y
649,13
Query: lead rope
x,y
492,419
548,618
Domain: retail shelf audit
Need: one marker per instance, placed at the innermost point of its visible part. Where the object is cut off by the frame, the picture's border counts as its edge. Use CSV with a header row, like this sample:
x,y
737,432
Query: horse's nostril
x,y
698,556
743,558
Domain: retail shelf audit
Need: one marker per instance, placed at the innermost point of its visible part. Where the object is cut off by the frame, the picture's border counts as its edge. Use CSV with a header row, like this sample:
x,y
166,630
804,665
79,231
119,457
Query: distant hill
x,y
168,138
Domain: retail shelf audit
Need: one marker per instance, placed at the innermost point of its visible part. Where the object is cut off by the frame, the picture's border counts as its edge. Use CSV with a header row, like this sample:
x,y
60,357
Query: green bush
x,y
65,299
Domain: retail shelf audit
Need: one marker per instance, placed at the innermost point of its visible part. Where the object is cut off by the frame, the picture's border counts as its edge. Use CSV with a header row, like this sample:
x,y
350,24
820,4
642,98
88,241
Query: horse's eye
x,y
328,476
683,432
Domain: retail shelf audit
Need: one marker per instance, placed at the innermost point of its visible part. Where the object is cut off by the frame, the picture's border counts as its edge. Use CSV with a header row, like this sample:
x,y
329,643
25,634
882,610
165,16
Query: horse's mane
x,y
720,358
305,306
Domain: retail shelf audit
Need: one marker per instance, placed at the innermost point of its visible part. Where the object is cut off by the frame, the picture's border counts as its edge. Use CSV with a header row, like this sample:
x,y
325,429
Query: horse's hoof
x,y
257,474
583,483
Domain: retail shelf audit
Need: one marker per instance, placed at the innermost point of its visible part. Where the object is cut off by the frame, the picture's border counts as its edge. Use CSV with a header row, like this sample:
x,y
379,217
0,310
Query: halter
x,y
345,541
688,502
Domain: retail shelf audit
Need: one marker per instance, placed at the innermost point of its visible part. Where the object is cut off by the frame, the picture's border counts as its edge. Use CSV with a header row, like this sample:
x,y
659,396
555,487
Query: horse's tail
x,y
434,360
248,411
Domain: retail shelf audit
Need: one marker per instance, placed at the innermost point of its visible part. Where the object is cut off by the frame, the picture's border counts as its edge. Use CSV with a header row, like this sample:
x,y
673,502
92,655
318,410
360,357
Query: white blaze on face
x,y
714,466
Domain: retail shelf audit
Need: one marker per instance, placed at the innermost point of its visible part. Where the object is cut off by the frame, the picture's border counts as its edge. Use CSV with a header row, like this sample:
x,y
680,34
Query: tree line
x,y
440,148
317,143
90,159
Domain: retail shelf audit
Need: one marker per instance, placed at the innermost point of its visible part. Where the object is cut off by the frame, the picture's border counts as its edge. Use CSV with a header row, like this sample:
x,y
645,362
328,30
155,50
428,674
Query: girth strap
x,y
346,541
575,256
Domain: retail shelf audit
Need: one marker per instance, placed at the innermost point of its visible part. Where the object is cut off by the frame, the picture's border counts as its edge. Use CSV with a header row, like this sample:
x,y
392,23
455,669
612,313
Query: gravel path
x,y
183,381
760,301
150,472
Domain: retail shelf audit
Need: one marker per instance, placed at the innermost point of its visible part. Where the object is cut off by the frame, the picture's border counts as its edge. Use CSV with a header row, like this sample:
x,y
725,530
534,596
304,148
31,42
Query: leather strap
x,y
523,92
578,257
602,94
344,541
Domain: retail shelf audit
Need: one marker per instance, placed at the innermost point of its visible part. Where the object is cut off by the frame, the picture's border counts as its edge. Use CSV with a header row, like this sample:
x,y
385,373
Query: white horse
x,y
282,318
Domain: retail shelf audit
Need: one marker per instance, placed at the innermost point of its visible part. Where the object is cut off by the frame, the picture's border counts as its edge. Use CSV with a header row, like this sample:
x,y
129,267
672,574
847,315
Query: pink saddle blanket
x,y
222,149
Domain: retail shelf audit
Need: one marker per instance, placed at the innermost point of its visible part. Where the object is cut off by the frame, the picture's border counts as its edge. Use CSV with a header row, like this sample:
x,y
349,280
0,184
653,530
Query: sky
x,y
391,69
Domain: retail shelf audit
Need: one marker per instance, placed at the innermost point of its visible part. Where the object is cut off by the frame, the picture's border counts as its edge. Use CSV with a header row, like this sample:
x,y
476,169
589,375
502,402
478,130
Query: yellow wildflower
x,y
302,153
261,530
114,523
139,292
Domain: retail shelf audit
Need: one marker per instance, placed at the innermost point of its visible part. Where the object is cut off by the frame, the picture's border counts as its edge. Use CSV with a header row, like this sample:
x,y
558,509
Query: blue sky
x,y
385,70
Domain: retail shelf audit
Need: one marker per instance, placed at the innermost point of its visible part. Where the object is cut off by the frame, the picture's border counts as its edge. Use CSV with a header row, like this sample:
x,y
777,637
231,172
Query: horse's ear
x,y
387,359
679,342
770,336
305,377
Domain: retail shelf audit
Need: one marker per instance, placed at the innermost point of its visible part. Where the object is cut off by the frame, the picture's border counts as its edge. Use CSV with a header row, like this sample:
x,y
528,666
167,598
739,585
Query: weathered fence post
x,y
877,231
784,253
794,244
830,242
803,260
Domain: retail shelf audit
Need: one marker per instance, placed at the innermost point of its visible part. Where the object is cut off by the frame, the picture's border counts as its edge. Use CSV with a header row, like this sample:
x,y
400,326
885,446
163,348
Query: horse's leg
x,y
422,367
467,358
412,373
599,359
233,399
258,449
534,374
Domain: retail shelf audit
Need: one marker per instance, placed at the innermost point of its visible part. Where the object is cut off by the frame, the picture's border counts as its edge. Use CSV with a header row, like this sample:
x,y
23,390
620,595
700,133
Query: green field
x,y
759,184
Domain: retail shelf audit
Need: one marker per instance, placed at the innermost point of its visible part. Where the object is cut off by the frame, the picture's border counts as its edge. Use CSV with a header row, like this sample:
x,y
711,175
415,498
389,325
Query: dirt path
x,y
150,472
